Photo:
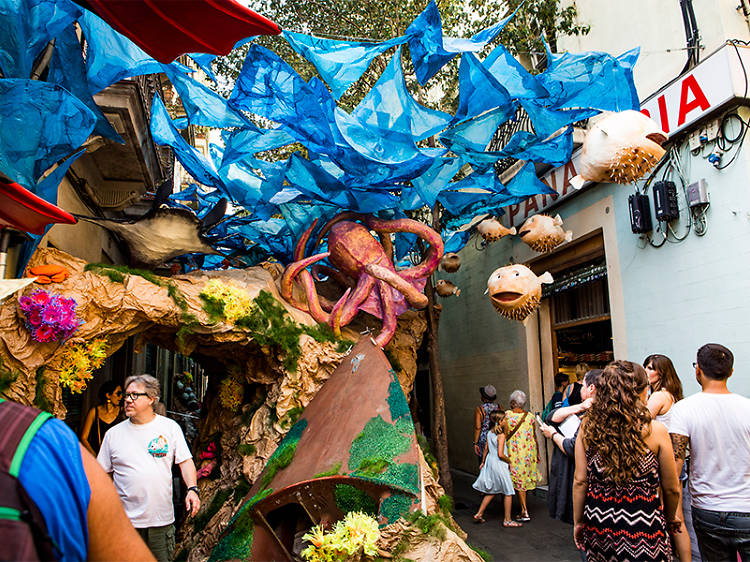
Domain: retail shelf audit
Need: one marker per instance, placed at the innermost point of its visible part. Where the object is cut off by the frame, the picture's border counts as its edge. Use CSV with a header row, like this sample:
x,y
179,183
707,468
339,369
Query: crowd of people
x,y
641,472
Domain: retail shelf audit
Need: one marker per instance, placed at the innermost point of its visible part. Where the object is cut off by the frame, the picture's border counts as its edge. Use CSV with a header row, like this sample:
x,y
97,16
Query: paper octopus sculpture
x,y
365,266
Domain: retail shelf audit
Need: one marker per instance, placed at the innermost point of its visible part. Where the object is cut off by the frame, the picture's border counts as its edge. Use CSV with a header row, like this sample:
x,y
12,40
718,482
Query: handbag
x,y
513,431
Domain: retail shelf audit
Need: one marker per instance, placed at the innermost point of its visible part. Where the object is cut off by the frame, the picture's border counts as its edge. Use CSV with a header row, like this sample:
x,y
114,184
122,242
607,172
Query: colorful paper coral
x,y
351,539
49,317
79,361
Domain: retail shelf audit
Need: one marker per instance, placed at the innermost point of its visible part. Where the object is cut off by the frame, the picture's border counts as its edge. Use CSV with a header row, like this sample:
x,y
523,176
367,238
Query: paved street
x,y
543,539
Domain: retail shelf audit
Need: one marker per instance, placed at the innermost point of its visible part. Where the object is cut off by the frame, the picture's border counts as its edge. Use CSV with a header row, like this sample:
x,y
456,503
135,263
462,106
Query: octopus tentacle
x,y
338,276
313,301
364,287
434,253
389,315
338,308
299,248
415,297
387,243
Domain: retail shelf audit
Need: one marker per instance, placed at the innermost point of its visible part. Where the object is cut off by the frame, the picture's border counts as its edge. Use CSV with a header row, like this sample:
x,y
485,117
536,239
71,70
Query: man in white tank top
x,y
715,423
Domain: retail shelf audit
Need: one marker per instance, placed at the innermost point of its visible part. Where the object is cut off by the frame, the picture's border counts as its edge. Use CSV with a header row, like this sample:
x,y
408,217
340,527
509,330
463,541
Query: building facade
x,y
620,294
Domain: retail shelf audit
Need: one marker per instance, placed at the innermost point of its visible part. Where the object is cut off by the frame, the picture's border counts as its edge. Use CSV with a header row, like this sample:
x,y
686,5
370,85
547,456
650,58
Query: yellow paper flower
x,y
79,361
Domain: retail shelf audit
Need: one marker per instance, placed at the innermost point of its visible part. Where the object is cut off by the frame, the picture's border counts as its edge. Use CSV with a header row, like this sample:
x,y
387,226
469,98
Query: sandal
x,y
512,524
523,517
479,519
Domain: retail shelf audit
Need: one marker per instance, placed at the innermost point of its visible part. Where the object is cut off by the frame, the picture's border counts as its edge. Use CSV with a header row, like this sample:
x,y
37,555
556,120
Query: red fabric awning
x,y
166,29
22,210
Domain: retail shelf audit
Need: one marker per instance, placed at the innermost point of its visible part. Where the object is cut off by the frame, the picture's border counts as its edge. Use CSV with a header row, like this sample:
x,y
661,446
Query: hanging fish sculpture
x,y
446,288
450,262
543,233
492,230
515,290
620,148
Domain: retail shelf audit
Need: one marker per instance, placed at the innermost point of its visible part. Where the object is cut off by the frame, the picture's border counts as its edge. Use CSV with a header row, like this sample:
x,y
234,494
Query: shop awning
x,y
22,210
166,29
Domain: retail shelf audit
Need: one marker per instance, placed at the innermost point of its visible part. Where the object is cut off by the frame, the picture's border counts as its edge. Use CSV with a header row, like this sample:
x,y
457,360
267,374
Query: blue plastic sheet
x,y
339,63
68,70
526,183
26,26
478,90
40,123
591,80
519,82
164,132
468,140
202,105
245,143
437,177
430,51
204,60
527,146
112,57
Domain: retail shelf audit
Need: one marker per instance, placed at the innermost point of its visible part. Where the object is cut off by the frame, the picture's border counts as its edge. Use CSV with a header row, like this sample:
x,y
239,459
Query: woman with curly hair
x,y
666,390
623,461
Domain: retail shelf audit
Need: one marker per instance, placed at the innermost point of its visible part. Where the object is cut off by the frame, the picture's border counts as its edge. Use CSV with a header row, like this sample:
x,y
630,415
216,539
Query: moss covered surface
x,y
284,453
350,498
333,471
376,447
394,507
397,401
238,542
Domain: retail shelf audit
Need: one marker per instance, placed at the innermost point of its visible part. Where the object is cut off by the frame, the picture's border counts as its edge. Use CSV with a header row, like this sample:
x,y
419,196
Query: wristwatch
x,y
194,489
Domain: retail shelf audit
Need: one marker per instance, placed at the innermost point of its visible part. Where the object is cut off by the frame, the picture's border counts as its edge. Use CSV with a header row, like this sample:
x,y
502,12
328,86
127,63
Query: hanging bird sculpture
x,y
164,233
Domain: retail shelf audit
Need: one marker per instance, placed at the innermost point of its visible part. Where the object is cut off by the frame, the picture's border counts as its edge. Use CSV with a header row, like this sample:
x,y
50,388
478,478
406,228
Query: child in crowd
x,y
494,475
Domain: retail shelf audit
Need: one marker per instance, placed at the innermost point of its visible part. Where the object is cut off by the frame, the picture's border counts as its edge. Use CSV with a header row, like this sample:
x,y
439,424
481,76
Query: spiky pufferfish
x,y
543,233
620,148
451,262
515,291
492,230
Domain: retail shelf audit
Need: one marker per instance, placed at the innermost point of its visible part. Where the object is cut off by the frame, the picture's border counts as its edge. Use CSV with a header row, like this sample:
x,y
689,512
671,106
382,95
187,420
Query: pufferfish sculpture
x,y
543,233
492,230
515,290
620,148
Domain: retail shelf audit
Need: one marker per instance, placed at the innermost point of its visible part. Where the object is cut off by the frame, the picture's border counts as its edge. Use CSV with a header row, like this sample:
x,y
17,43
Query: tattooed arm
x,y
679,444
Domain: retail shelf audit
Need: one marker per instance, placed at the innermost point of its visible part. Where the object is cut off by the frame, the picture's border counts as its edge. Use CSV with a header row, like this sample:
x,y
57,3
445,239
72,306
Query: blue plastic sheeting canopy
x,y
40,123
339,63
26,26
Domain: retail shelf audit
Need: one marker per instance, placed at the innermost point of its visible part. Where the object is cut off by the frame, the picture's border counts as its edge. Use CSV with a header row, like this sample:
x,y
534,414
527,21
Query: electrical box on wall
x,y
665,201
697,193
640,214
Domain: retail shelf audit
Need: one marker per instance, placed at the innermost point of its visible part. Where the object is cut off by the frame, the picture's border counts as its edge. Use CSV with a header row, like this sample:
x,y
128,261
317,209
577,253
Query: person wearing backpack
x,y
56,503
561,382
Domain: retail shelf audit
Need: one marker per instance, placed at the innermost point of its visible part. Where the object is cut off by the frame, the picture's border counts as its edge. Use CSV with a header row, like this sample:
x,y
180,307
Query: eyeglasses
x,y
133,396
695,364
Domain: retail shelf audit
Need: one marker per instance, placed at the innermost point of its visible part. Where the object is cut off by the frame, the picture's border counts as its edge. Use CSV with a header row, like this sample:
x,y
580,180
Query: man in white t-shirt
x,y
140,451
715,423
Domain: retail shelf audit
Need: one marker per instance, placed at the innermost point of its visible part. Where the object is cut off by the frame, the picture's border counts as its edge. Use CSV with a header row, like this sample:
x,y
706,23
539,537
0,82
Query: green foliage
x,y
433,525
372,466
332,472
397,401
40,400
202,519
213,307
7,377
445,502
350,498
246,449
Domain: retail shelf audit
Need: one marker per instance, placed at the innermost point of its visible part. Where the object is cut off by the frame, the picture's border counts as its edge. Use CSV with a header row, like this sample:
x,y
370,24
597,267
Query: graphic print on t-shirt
x,y
158,447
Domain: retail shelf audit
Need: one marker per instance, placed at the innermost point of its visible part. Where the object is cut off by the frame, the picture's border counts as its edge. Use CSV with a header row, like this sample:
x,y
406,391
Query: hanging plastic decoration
x,y
620,148
366,268
543,233
515,290
49,317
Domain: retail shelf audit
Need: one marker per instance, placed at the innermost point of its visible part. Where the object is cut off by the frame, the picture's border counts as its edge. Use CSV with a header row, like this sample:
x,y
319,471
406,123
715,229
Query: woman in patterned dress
x,y
523,449
482,418
623,461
